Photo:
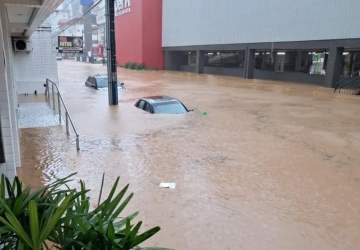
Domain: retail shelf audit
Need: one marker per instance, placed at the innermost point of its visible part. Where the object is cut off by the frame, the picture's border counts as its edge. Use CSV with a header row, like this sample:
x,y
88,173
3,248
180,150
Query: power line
x,y
77,19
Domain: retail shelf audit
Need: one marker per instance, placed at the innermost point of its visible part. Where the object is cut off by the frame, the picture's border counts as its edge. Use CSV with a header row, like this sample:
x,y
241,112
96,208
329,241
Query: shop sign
x,y
122,7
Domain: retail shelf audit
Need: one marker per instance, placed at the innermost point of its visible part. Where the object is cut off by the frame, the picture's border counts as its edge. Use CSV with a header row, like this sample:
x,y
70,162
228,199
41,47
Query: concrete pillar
x,y
333,69
200,61
249,64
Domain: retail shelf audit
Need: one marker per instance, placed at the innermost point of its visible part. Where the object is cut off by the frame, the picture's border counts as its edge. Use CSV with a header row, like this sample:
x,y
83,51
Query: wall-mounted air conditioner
x,y
21,45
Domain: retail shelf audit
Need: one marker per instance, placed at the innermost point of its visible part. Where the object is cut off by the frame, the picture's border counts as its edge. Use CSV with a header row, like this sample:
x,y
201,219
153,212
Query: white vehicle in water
x,y
100,81
161,105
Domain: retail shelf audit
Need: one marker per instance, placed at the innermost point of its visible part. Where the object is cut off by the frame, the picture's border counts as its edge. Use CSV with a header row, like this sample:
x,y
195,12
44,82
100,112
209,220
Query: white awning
x,y
25,16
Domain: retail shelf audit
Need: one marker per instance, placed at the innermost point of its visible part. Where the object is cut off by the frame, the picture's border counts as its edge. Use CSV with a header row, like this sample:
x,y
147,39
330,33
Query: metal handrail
x,y
60,101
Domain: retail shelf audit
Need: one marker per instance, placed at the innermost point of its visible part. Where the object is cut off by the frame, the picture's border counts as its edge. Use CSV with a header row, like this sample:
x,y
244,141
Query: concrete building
x,y
138,32
19,19
303,41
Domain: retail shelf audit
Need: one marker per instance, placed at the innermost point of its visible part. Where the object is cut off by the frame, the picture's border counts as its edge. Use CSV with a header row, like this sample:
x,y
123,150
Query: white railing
x,y
51,99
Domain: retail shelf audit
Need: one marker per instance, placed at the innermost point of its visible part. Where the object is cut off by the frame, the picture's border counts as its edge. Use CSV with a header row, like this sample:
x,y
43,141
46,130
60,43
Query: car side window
x,y
147,107
141,104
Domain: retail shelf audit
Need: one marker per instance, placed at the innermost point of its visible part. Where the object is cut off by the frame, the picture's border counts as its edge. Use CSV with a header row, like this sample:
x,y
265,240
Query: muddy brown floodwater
x,y
270,165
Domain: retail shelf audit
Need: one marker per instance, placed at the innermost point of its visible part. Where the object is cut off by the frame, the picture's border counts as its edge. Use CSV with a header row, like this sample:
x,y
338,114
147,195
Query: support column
x,y
200,62
249,64
334,64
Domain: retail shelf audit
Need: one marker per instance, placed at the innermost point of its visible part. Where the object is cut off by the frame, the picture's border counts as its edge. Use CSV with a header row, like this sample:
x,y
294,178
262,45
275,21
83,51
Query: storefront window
x,y
264,60
310,62
191,57
225,59
319,61
351,64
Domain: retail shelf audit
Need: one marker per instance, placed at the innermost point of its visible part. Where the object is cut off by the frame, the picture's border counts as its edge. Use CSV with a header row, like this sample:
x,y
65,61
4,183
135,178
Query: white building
x,y
20,19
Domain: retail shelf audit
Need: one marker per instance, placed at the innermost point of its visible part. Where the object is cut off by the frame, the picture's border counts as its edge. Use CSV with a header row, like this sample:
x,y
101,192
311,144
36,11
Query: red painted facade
x,y
138,34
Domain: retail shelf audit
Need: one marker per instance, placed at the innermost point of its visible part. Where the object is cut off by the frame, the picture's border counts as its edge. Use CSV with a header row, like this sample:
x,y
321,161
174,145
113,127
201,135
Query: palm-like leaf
x,y
63,216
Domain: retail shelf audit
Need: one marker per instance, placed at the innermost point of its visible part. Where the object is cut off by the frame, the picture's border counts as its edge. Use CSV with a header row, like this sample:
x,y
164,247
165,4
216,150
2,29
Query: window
x,y
191,58
141,104
264,60
147,107
226,59
309,62
102,82
319,61
170,108
351,64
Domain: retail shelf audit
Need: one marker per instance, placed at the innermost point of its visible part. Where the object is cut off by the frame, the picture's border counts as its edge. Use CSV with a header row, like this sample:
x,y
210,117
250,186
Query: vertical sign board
x,y
2,153
111,52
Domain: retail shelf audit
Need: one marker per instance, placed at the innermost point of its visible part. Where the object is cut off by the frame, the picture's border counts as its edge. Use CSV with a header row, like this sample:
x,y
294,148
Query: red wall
x,y
138,34
152,33
128,29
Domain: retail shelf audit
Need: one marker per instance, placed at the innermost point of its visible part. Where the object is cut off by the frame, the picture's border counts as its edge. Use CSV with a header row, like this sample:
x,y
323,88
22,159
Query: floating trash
x,y
170,185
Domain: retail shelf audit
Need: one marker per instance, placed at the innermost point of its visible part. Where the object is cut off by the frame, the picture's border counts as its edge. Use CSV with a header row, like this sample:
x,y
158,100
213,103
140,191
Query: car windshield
x,y
169,108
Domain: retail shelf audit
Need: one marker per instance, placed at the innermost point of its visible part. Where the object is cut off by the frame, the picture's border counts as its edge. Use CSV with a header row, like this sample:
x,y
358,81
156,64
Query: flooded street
x,y
258,164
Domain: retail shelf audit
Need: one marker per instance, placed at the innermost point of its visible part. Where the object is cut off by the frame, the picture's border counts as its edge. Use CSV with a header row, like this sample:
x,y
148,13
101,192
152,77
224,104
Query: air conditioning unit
x,y
21,45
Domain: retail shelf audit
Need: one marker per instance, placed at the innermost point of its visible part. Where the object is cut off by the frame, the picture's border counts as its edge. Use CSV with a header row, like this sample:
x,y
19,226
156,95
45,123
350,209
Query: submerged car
x,y
99,81
161,105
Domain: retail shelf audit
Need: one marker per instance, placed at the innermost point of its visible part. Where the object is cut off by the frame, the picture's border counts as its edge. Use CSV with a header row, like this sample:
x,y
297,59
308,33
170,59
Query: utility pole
x,y
110,49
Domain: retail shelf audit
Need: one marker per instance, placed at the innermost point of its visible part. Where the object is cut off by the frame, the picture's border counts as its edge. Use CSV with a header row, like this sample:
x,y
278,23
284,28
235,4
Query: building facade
x,y
138,27
304,41
18,19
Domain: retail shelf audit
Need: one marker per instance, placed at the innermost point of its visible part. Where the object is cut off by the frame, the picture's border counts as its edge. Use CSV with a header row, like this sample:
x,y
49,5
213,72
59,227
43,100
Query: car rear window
x,y
102,82
169,108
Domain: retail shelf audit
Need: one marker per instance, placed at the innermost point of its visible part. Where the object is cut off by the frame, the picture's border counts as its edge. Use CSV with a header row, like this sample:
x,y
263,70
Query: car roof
x,y
100,76
159,99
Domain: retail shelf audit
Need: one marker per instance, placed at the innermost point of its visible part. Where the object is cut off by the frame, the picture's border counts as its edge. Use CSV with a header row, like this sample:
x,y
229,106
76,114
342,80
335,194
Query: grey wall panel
x,y
188,68
224,71
290,76
202,22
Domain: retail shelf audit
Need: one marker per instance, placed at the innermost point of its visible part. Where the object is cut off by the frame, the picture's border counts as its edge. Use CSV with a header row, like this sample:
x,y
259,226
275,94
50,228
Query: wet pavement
x,y
34,112
257,165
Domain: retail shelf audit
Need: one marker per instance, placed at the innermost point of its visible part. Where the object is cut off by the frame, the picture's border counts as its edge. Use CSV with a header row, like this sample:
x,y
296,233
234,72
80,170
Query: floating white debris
x,y
170,185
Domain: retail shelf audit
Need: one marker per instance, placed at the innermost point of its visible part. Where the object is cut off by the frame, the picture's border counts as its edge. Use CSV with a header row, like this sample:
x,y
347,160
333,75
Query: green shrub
x,y
133,65
63,216
140,66
127,65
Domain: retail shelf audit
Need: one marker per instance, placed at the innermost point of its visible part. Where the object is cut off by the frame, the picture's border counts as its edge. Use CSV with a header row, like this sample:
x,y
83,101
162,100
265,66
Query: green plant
x,y
140,66
63,216
132,65
27,219
102,228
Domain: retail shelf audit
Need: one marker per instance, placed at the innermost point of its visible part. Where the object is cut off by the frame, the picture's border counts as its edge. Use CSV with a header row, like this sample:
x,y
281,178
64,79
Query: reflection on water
x,y
258,165
33,112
